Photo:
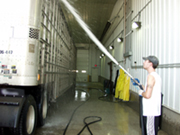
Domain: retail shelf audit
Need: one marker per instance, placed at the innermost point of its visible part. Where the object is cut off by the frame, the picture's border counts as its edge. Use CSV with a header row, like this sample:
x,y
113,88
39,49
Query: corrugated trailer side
x,y
57,52
37,62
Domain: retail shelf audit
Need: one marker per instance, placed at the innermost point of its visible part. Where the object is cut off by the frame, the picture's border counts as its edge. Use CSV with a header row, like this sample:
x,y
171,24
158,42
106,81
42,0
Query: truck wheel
x,y
28,118
43,107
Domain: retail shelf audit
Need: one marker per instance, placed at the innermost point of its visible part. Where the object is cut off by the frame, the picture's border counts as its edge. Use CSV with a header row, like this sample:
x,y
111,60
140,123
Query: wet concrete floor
x,y
89,100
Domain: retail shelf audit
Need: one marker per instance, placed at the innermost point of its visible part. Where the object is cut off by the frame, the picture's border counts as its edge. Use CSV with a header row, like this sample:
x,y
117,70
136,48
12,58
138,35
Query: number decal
x,y
6,51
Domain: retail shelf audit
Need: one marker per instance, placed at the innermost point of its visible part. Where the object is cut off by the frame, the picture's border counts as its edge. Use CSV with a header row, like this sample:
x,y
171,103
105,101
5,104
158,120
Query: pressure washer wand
x,y
126,72
93,38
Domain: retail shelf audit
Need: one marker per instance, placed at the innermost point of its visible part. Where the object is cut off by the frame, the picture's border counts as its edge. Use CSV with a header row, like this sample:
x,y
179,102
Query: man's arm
x,y
149,87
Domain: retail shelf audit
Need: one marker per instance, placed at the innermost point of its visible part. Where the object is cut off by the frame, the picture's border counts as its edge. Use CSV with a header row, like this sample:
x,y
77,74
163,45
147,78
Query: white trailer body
x,y
19,42
37,60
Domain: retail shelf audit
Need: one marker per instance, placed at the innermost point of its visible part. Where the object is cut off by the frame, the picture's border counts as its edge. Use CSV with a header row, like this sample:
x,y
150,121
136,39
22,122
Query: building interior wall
x,y
158,35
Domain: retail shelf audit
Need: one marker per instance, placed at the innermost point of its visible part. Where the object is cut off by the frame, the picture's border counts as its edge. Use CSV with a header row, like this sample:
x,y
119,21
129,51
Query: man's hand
x,y
135,81
140,92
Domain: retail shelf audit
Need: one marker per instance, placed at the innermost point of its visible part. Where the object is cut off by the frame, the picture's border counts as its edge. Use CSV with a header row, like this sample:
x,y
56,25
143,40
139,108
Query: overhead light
x,y
111,47
103,55
136,25
119,39
100,57
83,71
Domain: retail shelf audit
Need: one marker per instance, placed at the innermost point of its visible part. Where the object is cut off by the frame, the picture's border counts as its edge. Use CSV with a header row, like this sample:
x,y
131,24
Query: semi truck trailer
x,y
37,62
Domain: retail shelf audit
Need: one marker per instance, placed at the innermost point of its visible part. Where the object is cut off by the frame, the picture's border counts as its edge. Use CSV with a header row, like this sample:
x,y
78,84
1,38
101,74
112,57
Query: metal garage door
x,y
82,65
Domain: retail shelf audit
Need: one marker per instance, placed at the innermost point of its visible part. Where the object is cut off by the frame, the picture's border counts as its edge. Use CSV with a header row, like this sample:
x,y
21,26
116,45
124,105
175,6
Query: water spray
x,y
93,38
102,48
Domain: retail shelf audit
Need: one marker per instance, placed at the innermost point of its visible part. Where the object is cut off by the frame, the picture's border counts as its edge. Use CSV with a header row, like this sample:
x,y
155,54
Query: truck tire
x,y
43,107
28,119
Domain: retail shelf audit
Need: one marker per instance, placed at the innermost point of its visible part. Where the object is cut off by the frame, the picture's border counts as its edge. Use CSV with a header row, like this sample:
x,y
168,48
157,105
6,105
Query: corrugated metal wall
x,y
158,36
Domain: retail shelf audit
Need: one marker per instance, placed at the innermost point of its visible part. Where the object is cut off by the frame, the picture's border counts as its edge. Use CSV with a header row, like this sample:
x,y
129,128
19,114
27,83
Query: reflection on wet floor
x,y
89,99
80,95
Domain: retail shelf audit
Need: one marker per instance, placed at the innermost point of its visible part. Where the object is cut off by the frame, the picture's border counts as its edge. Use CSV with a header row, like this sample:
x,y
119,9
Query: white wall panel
x,y
158,35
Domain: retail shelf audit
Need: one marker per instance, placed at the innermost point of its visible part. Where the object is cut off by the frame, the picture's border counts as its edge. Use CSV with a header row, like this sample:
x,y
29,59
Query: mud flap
x,y
10,111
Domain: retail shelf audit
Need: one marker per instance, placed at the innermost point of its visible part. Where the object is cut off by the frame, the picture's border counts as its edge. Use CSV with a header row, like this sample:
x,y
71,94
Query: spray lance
x,y
103,49
95,40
